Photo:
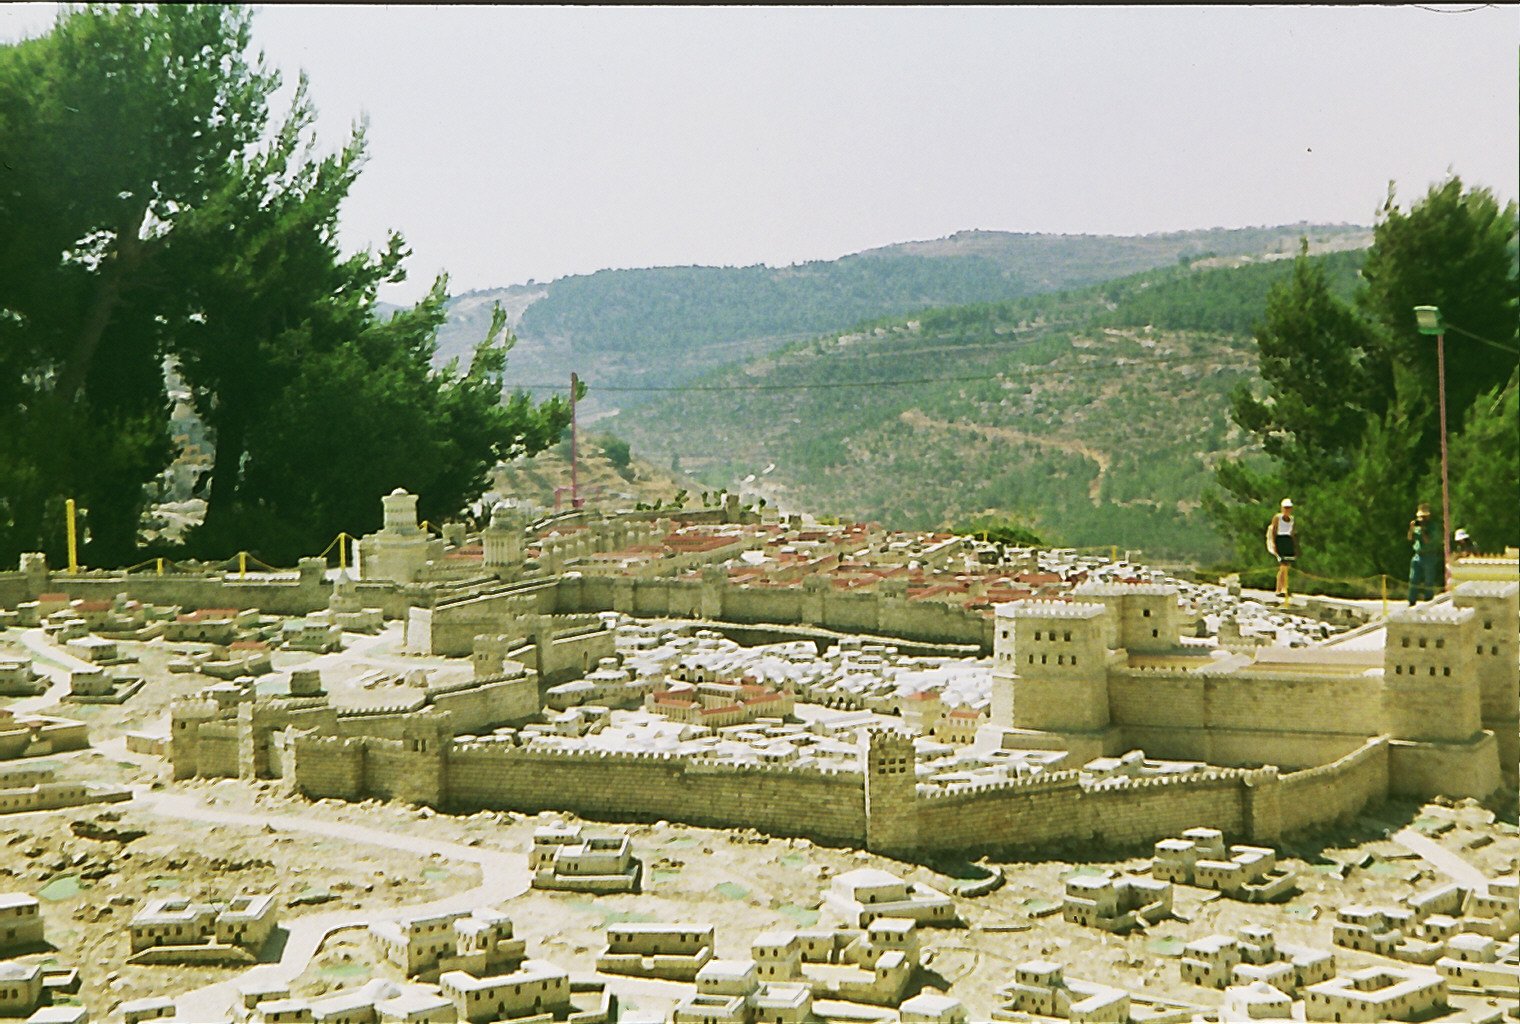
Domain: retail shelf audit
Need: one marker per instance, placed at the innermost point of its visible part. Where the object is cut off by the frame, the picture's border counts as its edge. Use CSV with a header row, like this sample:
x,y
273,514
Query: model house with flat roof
x,y
1247,873
1115,904
1375,994
1253,955
1041,987
536,987
20,988
599,864
243,922
20,922
673,951
865,894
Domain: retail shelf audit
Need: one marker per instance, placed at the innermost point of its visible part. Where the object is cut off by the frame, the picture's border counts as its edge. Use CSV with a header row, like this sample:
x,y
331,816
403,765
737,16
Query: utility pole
x,y
1429,321
575,491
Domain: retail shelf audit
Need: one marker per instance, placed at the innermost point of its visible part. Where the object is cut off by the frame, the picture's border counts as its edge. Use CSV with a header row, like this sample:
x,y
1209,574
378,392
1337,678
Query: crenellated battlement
x,y
1042,608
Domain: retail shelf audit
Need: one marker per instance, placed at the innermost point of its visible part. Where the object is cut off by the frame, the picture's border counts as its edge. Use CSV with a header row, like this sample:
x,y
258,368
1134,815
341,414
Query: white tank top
x,y
1284,526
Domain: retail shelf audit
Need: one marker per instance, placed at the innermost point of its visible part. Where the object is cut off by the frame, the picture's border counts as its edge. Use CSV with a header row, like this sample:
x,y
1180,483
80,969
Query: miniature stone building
x,y
1115,904
716,705
313,634
20,922
173,925
135,1011
932,1008
1251,956
399,549
346,611
478,943
21,988
883,961
1248,873
535,987
17,679
1041,987
865,894
1376,994
35,789
600,864
1256,1001
675,952
730,991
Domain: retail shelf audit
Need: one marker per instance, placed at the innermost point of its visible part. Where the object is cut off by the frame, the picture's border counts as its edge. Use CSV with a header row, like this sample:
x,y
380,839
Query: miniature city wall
x,y
883,809
450,626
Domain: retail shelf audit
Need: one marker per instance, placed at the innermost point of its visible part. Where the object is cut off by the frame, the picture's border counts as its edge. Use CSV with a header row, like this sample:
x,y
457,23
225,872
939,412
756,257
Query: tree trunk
x,y
113,276
226,469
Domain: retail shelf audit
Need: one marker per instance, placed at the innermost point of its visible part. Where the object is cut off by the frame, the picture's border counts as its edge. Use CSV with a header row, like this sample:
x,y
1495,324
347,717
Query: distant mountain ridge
x,y
663,326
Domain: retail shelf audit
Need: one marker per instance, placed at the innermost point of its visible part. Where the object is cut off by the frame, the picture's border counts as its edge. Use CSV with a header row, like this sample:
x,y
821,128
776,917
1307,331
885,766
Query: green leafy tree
x,y
139,145
1485,470
1312,349
1347,419
115,123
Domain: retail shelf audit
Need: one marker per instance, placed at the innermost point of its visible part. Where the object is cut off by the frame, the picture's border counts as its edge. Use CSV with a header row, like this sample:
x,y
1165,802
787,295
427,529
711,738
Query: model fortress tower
x,y
1496,661
1432,703
1050,677
399,550
1052,659
502,540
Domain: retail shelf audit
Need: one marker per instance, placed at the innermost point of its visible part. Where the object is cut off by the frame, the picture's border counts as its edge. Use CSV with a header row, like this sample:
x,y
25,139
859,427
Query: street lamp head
x,y
1428,319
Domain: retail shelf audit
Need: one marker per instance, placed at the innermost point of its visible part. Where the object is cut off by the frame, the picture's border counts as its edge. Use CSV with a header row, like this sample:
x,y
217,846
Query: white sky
x,y
510,143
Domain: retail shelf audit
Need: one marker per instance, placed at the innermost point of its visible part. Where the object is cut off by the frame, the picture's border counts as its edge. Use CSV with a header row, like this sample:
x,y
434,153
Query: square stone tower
x,y
502,540
1432,704
1143,616
1050,677
1496,660
891,792
1430,691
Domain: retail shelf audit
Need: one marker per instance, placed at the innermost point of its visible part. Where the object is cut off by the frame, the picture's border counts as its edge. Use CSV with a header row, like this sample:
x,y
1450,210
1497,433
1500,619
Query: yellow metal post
x,y
242,564
343,552
1113,552
1383,578
160,566
68,509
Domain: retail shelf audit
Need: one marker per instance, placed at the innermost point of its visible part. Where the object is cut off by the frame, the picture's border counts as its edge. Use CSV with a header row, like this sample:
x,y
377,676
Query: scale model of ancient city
x,y
721,765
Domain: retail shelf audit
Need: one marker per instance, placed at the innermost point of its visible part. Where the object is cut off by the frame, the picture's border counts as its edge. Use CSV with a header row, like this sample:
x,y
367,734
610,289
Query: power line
x,y
1475,337
1031,371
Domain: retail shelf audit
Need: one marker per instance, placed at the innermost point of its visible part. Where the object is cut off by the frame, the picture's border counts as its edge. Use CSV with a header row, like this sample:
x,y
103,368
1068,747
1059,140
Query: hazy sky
x,y
510,143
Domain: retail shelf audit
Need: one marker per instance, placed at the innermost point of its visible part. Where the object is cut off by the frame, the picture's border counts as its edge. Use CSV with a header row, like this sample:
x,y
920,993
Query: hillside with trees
x,y
1094,416
665,325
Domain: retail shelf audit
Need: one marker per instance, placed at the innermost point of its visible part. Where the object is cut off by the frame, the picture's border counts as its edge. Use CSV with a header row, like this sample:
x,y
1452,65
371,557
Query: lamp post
x,y
1428,319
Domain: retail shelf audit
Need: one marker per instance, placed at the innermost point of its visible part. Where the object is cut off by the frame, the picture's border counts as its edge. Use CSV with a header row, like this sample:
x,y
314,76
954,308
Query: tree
x,y
1454,249
192,226
1312,349
115,123
1346,422
1485,469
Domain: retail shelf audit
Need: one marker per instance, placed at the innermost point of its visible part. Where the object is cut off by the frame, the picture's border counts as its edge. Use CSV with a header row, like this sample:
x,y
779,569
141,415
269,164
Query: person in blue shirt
x,y
1425,556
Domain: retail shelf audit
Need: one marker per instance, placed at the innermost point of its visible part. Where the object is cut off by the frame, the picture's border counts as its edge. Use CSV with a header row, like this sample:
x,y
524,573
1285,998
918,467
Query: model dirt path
x,y
502,876
917,418
1440,857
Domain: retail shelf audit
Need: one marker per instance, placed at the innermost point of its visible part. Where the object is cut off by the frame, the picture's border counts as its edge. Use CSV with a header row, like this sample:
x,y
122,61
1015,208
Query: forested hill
x,y
1098,413
672,324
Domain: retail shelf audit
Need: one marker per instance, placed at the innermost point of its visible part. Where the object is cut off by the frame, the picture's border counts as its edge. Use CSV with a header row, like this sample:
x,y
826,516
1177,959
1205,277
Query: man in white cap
x,y
1283,543
1462,543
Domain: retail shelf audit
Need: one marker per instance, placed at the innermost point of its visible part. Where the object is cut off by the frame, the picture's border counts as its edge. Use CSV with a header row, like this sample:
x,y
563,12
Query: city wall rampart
x,y
1334,791
454,624
1291,720
1057,808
